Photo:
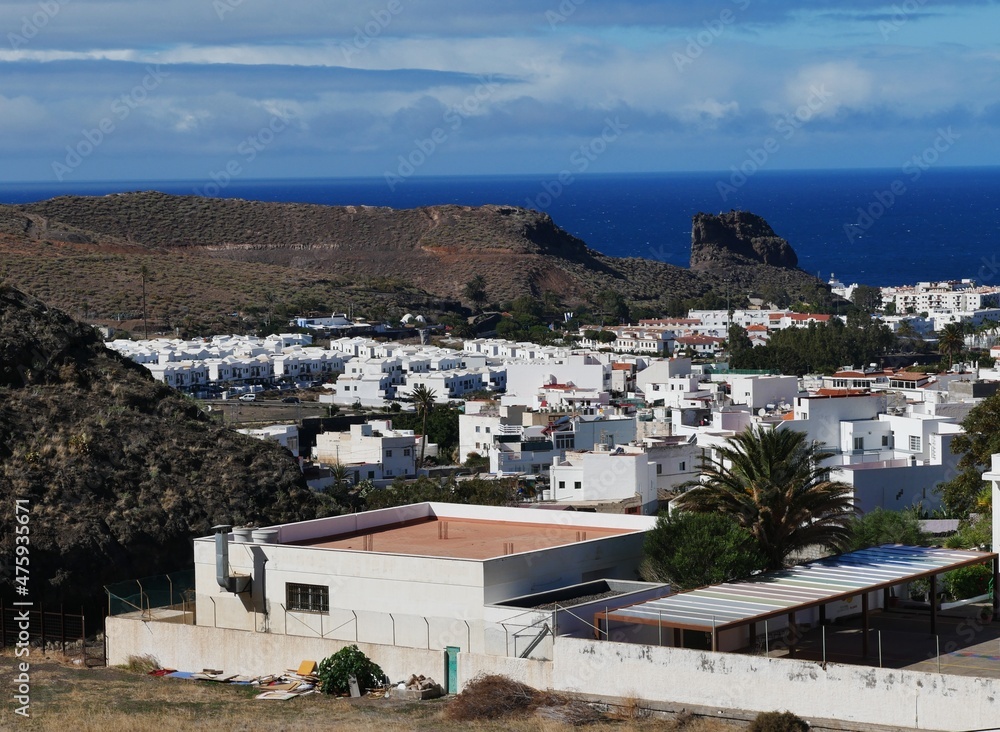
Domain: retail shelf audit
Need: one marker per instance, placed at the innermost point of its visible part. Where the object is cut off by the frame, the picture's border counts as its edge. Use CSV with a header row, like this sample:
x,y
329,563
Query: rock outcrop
x,y
737,238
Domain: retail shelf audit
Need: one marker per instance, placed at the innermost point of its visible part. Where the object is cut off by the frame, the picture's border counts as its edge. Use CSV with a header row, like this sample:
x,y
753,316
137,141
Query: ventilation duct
x,y
228,582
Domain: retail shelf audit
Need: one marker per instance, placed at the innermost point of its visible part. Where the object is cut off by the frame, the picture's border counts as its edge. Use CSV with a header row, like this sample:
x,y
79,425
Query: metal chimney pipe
x,y
222,555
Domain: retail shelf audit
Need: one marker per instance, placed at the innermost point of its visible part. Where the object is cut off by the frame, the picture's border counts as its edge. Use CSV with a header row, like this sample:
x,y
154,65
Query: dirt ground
x,y
68,697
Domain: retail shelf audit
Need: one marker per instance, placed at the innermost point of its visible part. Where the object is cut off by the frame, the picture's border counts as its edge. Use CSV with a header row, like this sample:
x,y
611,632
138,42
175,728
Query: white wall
x,y
855,694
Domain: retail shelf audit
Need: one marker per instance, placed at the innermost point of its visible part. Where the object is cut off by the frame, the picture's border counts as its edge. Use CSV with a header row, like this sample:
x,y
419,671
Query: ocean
x,y
875,227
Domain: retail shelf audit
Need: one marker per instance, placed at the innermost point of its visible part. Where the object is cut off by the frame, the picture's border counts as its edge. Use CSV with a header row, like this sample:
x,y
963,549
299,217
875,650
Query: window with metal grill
x,y
308,598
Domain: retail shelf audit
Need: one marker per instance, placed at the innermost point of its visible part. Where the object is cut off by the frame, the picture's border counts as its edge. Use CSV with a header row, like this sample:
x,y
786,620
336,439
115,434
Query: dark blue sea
x,y
877,227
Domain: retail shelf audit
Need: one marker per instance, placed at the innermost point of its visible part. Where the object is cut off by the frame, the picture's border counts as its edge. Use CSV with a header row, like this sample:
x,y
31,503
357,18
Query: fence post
x,y
880,649
41,625
823,628
3,625
62,627
937,644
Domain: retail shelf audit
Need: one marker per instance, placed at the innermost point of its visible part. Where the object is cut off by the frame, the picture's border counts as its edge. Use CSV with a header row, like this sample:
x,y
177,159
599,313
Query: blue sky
x,y
186,89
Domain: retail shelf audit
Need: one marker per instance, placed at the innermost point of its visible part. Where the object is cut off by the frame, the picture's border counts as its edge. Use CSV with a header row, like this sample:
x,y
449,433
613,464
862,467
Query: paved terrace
x,y
462,538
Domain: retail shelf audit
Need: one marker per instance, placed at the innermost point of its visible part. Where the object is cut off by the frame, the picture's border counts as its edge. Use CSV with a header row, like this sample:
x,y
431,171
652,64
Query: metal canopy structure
x,y
734,604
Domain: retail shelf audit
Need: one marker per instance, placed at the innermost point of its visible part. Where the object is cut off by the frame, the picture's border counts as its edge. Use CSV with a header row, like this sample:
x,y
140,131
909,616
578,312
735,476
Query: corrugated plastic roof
x,y
800,587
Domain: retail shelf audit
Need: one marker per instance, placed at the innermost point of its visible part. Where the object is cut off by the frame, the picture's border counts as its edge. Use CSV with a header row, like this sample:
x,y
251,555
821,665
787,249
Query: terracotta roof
x,y
909,376
757,327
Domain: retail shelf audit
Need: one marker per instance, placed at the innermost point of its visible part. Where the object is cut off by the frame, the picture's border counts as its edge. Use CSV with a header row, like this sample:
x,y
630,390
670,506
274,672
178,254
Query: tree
x,y
976,444
475,291
951,341
423,398
867,298
886,527
691,550
738,340
335,671
773,484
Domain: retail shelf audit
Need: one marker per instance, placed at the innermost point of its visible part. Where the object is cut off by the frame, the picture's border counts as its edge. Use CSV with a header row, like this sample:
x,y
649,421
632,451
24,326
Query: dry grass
x,y
116,700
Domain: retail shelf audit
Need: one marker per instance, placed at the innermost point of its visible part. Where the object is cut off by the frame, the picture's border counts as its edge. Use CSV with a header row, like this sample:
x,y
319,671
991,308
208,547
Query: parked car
x,y
248,397
291,400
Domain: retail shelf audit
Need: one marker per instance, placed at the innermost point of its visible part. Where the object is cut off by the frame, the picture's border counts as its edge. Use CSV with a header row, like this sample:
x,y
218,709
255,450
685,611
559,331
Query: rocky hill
x,y
435,249
119,471
737,238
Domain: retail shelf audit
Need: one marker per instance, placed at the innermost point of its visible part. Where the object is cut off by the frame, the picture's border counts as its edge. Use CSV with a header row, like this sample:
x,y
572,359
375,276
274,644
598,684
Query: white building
x,y
374,451
758,392
606,475
286,435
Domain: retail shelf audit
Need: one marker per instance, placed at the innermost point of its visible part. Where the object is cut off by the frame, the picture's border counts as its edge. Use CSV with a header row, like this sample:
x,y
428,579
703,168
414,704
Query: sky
x,y
204,89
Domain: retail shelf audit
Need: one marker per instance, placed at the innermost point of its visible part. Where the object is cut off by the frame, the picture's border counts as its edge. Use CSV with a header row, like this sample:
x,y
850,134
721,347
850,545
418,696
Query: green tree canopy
x,y
867,298
951,341
691,550
886,527
773,484
976,445
475,291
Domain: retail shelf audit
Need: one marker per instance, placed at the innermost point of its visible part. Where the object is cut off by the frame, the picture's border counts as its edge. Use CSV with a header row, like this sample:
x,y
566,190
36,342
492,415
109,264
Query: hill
x,y
421,255
119,471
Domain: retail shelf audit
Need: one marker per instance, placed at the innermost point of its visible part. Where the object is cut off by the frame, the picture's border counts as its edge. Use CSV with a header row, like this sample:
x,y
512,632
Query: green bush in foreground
x,y
778,722
335,671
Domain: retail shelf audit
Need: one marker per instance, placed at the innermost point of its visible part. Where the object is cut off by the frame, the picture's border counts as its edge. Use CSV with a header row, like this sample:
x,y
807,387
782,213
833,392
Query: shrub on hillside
x,y
778,722
336,671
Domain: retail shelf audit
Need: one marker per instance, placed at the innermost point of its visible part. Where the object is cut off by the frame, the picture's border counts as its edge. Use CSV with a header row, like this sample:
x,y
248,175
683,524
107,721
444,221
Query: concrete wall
x,y
854,694
857,694
192,648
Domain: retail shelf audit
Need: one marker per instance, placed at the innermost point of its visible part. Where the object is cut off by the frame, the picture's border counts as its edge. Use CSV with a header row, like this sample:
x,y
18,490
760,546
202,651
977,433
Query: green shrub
x,y
778,722
968,581
335,671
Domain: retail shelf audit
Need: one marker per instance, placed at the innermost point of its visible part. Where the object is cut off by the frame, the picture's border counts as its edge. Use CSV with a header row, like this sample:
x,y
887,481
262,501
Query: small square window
x,y
388,453
577,485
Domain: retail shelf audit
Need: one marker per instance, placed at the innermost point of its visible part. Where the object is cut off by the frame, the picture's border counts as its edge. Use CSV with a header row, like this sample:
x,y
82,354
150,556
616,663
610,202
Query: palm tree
x,y
951,341
771,482
475,290
423,399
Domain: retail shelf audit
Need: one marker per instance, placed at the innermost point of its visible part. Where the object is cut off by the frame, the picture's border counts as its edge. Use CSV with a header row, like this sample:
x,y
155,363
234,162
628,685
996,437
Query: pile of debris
x,y
418,688
279,687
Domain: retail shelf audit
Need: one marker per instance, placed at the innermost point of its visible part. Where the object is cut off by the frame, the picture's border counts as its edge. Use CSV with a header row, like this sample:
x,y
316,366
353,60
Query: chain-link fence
x,y
174,590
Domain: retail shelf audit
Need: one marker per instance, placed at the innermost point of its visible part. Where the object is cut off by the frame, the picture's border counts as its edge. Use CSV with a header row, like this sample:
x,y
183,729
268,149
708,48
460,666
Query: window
x,y
406,452
477,428
388,453
915,443
659,469
371,475
562,485
577,485
859,443
308,598
885,440
682,466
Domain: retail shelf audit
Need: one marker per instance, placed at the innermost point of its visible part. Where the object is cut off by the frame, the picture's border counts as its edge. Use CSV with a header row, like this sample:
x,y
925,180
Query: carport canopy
x,y
805,586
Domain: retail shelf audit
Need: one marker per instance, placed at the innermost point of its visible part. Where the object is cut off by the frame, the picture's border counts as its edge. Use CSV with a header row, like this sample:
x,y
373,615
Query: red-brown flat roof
x,y
466,538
